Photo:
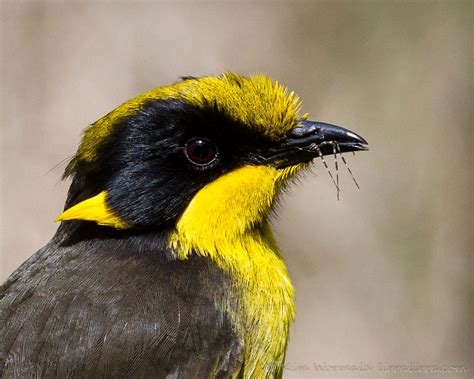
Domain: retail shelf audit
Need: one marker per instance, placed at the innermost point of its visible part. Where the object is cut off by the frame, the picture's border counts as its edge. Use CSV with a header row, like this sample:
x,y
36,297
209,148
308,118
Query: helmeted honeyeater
x,y
164,264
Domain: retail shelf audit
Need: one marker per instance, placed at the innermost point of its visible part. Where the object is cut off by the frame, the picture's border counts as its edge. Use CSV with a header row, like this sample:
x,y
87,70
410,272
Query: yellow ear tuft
x,y
93,209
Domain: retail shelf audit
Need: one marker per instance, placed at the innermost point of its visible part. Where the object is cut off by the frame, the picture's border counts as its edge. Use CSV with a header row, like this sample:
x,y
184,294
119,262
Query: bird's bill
x,y
312,139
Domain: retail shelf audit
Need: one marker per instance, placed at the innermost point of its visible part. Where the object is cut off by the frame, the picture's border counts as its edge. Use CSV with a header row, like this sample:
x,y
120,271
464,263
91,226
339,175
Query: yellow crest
x,y
255,101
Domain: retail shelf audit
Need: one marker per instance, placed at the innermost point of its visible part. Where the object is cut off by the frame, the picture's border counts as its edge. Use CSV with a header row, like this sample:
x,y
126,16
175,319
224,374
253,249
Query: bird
x,y
164,264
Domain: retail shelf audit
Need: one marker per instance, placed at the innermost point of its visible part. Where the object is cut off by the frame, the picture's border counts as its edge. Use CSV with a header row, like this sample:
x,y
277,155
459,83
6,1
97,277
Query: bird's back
x,y
101,309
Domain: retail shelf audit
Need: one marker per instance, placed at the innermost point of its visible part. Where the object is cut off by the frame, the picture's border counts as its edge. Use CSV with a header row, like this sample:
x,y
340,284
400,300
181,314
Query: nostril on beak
x,y
304,129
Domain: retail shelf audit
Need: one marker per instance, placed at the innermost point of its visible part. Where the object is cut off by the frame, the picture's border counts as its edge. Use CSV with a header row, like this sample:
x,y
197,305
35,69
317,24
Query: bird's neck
x,y
260,303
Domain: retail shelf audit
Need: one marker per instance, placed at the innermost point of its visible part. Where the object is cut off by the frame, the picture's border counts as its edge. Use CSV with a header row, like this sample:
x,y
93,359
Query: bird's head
x,y
205,157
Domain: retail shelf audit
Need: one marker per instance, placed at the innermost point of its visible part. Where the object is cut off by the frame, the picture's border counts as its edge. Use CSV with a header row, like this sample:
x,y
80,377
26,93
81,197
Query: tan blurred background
x,y
383,276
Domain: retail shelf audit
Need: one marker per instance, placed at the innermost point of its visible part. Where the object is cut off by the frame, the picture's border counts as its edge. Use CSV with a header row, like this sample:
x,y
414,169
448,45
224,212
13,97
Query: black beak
x,y
312,139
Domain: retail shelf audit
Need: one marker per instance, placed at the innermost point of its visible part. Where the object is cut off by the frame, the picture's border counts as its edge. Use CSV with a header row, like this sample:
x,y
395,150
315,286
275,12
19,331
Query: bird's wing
x,y
96,310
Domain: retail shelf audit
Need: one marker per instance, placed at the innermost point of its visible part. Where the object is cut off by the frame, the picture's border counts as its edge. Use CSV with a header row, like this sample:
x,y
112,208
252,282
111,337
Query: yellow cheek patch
x,y
94,209
227,208
223,210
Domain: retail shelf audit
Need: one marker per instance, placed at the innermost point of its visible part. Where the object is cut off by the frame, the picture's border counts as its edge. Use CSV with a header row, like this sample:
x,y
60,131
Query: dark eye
x,y
201,151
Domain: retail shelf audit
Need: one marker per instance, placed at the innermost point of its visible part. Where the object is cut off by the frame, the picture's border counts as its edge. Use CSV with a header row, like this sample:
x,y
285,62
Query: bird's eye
x,y
201,151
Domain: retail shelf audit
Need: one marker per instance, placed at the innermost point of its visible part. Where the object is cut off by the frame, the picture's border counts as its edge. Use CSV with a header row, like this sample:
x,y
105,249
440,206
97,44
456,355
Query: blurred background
x,y
383,276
